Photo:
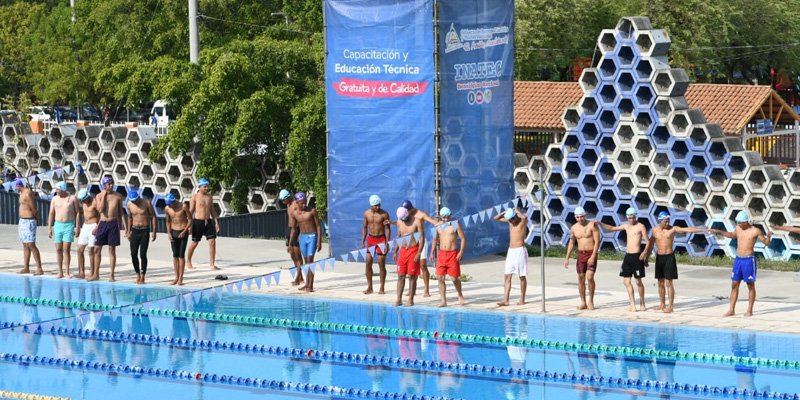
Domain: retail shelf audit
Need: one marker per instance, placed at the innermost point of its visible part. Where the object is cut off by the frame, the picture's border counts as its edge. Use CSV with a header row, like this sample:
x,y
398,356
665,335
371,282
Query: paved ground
x,y
702,292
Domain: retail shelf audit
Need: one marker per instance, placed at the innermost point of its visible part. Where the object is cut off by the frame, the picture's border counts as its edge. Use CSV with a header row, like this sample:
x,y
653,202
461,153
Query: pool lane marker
x,y
7,394
197,377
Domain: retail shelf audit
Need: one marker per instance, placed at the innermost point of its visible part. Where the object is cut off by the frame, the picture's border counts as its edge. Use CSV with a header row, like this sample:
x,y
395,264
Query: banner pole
x,y
437,132
541,231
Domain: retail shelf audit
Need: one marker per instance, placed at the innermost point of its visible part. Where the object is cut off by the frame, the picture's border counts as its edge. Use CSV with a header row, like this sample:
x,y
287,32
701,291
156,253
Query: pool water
x,y
60,340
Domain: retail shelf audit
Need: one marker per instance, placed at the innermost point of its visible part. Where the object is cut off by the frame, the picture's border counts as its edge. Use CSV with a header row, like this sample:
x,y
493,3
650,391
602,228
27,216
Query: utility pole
x,y
194,37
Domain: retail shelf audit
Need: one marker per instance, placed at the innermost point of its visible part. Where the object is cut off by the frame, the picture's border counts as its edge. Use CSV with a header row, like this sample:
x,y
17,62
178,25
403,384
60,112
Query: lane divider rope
x,y
7,394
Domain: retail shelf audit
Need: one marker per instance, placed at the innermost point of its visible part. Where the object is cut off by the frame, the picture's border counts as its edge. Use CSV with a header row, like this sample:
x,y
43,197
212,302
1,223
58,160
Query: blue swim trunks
x,y
63,232
308,244
744,269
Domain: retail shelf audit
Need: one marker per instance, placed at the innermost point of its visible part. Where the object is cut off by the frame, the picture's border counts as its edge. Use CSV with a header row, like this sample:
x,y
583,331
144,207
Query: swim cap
x,y
580,211
374,200
663,216
83,194
445,212
284,194
133,194
62,186
631,212
202,182
169,199
742,216
407,204
402,213
106,180
299,196
509,214
19,182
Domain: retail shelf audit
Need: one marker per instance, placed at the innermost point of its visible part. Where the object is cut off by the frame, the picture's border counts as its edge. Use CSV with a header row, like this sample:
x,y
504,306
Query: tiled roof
x,y
539,105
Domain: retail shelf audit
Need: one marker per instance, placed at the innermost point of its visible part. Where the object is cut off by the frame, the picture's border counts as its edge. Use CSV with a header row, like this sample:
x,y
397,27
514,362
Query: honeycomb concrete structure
x,y
633,141
122,152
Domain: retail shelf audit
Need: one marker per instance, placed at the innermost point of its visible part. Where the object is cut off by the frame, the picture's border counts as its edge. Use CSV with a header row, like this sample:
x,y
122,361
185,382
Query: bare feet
x,y
667,310
427,294
582,307
93,278
302,288
521,303
461,300
381,292
174,282
410,303
38,272
68,276
79,276
308,290
368,291
590,306
112,279
502,303
398,303
642,308
442,305
180,283
632,308
24,271
59,276
661,307
297,282
729,313
748,314
215,268
189,265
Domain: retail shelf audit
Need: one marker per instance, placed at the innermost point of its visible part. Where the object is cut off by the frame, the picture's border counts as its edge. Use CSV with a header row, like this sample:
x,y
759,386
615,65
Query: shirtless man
x,y
109,204
635,259
377,232
308,234
663,237
587,236
292,247
62,225
179,225
205,223
407,253
423,217
745,267
28,218
86,239
141,224
448,261
517,256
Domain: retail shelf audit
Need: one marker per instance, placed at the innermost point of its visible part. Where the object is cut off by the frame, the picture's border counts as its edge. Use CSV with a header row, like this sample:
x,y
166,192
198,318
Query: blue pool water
x,y
134,352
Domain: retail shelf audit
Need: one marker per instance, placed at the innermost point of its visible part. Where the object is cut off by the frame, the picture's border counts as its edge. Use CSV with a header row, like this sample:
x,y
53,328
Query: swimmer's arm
x,y
611,228
645,254
421,241
51,216
364,230
153,220
387,229
189,222
765,239
429,220
648,248
499,218
729,235
214,216
168,219
521,215
434,243
570,247
596,250
192,204
679,229
319,229
791,229
463,241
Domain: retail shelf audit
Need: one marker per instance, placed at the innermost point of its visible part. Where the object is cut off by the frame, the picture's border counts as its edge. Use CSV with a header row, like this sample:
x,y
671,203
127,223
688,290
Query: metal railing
x,y
532,143
780,148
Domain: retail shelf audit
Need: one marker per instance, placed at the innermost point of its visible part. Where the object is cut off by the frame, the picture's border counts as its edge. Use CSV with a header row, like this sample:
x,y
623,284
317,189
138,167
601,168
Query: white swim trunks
x,y
517,261
86,238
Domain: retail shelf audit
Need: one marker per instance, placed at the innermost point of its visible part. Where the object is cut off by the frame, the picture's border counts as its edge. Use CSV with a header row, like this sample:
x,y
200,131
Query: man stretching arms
x,y
407,253
517,256
635,259
587,236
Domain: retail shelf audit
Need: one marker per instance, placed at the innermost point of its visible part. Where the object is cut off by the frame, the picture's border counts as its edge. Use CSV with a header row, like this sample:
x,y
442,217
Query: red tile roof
x,y
539,105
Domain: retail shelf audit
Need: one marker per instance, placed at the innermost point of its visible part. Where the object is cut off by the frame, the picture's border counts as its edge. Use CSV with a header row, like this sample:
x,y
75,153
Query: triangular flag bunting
x,y
304,269
218,290
331,263
258,281
67,170
497,208
416,236
197,295
363,252
354,255
344,257
465,220
482,214
239,285
474,217
293,272
321,265
249,283
312,267
277,278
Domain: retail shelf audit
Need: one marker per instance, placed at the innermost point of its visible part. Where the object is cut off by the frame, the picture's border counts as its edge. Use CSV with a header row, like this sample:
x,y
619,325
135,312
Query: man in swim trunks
x,y
663,239
85,238
141,227
376,232
448,259
179,225
62,224
205,223
292,247
745,267
109,204
517,256
28,219
308,234
587,236
423,262
407,253
635,259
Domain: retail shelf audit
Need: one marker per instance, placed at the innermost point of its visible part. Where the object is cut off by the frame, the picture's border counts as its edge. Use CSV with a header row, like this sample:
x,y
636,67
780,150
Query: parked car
x,y
161,113
40,113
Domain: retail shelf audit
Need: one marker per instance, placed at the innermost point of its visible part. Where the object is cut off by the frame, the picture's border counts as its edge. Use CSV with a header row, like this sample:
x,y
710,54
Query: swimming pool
x,y
85,341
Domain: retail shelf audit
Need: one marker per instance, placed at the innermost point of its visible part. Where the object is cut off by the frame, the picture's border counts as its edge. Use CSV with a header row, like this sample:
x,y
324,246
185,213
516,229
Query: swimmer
x,y
635,259
517,256
376,231
448,261
587,237
407,253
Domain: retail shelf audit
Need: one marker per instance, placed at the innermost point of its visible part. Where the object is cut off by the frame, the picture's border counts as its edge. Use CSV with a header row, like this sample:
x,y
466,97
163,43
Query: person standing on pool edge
x,y
62,223
141,221
448,261
376,231
292,246
205,223
109,204
179,225
662,238
587,237
407,254
423,217
28,218
308,234
635,258
745,267
517,256
86,238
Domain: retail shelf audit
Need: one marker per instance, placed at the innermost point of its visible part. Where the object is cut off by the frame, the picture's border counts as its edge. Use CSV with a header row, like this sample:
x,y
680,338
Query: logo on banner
x,y
452,41
479,97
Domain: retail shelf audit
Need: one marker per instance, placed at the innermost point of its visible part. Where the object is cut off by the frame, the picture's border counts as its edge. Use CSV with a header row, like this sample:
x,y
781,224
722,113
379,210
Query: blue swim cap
x,y
284,194
444,212
631,212
62,186
202,182
169,199
742,216
663,216
407,204
19,182
374,200
106,180
509,214
83,194
299,196
133,194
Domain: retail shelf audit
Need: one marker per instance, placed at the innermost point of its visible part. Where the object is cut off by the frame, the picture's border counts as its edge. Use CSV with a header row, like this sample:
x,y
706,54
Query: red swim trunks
x,y
583,262
405,262
375,241
447,263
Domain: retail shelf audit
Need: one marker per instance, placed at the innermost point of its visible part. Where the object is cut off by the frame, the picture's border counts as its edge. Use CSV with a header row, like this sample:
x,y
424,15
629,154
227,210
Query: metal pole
x,y
541,230
194,37
72,8
796,144
437,131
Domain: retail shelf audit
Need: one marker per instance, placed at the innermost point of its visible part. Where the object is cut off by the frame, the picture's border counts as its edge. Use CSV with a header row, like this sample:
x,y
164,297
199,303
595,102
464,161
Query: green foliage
x,y
306,151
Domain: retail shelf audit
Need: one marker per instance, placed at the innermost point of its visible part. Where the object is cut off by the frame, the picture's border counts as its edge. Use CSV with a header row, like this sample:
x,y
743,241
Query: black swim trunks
x,y
295,242
202,228
632,266
666,266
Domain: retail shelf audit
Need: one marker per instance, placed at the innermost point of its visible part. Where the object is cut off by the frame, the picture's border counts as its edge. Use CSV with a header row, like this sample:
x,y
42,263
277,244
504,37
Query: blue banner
x,y
380,112
476,54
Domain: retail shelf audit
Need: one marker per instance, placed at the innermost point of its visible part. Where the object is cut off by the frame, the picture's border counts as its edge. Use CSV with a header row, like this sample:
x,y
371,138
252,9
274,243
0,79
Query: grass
x,y
724,262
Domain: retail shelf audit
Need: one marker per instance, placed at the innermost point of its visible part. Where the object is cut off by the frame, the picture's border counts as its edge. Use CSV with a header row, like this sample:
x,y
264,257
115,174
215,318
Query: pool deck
x,y
702,292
